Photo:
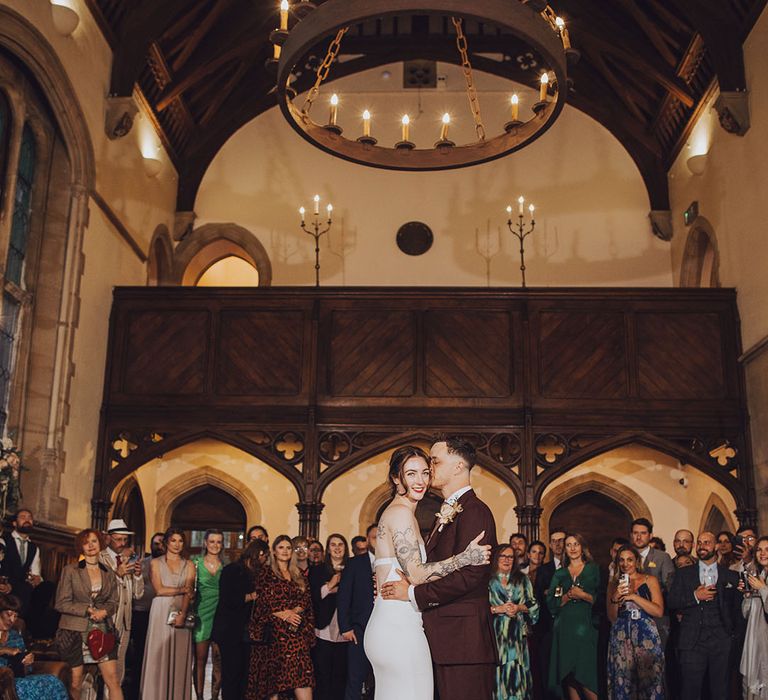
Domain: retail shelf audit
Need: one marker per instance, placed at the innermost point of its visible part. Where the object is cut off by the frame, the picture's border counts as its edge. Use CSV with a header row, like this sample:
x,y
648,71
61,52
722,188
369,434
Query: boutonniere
x,y
729,585
447,513
651,564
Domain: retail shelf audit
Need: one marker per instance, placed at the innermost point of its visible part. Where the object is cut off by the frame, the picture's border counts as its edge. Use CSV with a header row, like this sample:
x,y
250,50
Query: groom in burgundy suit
x,y
456,612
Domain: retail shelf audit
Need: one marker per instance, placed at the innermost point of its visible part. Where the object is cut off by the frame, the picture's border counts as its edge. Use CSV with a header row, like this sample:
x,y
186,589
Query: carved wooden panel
x,y
680,355
468,353
260,352
372,353
166,352
582,354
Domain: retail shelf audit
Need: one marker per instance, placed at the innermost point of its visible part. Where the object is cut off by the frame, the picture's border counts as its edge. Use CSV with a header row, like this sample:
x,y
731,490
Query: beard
x,y
705,554
157,552
24,529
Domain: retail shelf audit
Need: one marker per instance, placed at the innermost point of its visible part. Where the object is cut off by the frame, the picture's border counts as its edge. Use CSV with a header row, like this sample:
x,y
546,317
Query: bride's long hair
x,y
397,465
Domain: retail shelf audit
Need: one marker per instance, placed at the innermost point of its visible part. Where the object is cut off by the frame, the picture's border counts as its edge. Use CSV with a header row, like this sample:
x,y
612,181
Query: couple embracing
x,y
445,578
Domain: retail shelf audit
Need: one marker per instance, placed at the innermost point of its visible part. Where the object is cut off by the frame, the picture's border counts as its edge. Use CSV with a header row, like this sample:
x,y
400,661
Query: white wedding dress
x,y
395,643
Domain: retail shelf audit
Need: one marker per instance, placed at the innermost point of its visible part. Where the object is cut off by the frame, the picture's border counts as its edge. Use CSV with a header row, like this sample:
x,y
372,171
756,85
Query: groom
x,y
456,613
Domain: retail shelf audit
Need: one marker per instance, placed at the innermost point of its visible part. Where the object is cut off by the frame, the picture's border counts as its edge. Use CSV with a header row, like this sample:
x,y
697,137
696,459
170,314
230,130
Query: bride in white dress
x,y
394,637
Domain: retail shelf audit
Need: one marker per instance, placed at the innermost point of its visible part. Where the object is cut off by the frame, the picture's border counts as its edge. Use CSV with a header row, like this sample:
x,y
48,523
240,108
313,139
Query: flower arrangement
x,y
10,476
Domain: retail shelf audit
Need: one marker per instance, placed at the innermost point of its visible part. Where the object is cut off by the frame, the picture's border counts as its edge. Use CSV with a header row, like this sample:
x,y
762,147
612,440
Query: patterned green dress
x,y
207,599
513,675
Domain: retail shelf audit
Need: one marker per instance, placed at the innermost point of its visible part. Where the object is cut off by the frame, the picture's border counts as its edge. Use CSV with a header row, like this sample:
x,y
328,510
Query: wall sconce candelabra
x,y
519,230
316,230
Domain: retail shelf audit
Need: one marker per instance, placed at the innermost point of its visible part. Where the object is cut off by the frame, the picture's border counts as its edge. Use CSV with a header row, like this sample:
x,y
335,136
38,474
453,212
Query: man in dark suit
x,y
456,613
707,596
354,605
543,580
22,559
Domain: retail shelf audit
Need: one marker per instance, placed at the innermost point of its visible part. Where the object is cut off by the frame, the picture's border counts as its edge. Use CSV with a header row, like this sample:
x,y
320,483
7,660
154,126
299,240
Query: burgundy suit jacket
x,y
455,608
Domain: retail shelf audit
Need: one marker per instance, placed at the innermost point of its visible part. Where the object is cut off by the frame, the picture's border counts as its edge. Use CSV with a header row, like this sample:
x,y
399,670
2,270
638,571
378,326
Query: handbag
x,y
100,638
190,620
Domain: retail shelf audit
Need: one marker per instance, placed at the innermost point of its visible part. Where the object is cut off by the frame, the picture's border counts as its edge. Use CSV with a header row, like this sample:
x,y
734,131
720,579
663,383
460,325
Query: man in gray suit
x,y
655,563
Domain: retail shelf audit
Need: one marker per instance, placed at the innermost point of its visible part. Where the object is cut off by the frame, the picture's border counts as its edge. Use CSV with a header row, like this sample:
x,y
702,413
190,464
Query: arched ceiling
x,y
647,67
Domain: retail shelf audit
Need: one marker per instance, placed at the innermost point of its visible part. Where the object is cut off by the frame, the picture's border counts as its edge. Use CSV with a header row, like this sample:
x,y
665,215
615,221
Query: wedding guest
x,y
513,607
301,553
744,549
22,563
208,567
118,557
682,560
635,654
725,555
359,545
572,593
237,593
754,658
167,671
86,598
683,545
140,618
707,598
13,654
284,606
329,655
257,532
616,545
542,628
316,553
354,605
519,542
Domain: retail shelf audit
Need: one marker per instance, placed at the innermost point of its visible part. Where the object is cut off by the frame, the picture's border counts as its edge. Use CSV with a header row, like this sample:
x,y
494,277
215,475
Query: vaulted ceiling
x,y
646,69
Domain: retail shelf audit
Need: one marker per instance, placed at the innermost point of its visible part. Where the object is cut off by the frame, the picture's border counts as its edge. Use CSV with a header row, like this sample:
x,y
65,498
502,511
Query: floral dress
x,y
513,674
36,687
635,654
282,662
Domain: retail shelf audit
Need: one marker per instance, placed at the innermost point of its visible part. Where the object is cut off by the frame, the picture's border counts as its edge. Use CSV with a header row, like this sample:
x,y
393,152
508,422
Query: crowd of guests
x,y
287,618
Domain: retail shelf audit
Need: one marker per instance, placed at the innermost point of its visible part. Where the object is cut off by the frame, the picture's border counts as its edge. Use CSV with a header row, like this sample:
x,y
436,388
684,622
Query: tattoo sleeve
x,y
408,555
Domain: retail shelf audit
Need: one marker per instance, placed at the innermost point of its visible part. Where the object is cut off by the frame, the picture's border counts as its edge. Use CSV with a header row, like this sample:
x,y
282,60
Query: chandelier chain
x,y
324,68
466,66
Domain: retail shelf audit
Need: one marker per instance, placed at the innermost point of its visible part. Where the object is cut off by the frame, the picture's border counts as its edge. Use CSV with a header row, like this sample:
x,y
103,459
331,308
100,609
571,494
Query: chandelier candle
x,y
515,101
316,199
444,128
406,120
284,14
366,123
520,203
560,22
334,109
544,87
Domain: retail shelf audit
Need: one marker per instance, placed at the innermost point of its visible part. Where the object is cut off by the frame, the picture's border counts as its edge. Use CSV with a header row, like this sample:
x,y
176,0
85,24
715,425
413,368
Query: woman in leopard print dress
x,y
282,629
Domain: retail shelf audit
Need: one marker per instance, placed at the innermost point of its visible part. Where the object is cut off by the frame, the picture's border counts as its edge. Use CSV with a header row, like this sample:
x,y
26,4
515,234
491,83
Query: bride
x,y
394,637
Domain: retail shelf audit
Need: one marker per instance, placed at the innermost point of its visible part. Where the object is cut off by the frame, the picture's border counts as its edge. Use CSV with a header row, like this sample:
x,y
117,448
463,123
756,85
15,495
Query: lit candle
x,y
405,121
329,209
334,109
284,14
544,86
515,104
317,203
509,211
276,53
530,209
560,22
520,203
444,128
366,123
301,211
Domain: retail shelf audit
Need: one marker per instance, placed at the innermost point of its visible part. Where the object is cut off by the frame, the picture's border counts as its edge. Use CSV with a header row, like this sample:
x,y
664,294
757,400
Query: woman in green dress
x,y
572,593
208,567
513,606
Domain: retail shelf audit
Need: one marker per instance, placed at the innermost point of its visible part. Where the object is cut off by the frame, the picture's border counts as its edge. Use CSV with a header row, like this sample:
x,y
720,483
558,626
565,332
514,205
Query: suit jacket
x,y
354,602
129,588
682,600
456,606
659,564
540,588
73,596
232,612
323,607
15,569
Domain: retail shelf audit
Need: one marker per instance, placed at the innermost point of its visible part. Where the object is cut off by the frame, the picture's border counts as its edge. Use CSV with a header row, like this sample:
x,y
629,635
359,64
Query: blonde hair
x,y
296,575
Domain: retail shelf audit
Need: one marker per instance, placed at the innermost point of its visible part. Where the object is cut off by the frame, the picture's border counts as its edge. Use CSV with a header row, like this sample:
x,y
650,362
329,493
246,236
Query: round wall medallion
x,y
414,238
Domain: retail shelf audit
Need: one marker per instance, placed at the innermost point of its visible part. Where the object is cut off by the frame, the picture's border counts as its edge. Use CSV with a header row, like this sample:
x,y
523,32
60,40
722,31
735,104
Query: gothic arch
x,y
160,259
599,483
184,484
715,501
371,505
701,260
213,242
505,475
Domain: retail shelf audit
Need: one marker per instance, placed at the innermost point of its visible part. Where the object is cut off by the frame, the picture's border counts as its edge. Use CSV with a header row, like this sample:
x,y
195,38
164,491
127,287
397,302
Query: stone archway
x,y
176,490
372,504
701,260
160,259
715,503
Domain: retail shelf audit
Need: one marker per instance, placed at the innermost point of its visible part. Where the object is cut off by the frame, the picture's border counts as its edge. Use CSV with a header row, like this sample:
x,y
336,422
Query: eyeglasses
x,y
301,549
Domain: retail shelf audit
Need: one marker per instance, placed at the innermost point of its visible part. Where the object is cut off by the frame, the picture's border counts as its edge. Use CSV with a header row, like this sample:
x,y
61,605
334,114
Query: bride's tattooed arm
x,y
408,552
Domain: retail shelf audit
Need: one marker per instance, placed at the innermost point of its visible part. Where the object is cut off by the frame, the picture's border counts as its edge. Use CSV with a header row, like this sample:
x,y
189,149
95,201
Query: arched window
x,y
700,260
5,136
14,266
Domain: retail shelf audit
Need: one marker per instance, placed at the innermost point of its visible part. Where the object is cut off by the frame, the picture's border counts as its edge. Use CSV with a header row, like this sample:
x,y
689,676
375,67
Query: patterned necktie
x,y
23,551
118,559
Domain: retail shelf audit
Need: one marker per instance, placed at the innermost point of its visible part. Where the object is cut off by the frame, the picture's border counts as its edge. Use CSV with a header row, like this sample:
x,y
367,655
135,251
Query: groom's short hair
x,y
463,448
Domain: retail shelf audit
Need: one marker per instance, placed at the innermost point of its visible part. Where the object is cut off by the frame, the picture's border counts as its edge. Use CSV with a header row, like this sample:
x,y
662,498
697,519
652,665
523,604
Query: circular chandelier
x,y
531,21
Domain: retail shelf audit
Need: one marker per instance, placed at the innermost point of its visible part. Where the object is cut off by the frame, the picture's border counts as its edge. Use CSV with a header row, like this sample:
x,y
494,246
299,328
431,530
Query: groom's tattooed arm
x,y
408,553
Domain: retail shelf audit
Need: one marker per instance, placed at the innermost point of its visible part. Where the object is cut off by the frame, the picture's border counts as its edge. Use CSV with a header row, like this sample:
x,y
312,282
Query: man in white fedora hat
x,y
119,557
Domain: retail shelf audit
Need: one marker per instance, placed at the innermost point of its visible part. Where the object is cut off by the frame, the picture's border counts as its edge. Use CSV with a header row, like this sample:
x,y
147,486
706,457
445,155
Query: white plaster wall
x,y
592,216
654,477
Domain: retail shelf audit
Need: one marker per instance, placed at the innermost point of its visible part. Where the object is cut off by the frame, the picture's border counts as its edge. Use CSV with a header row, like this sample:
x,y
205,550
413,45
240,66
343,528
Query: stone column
x,y
309,518
747,517
528,520
99,512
